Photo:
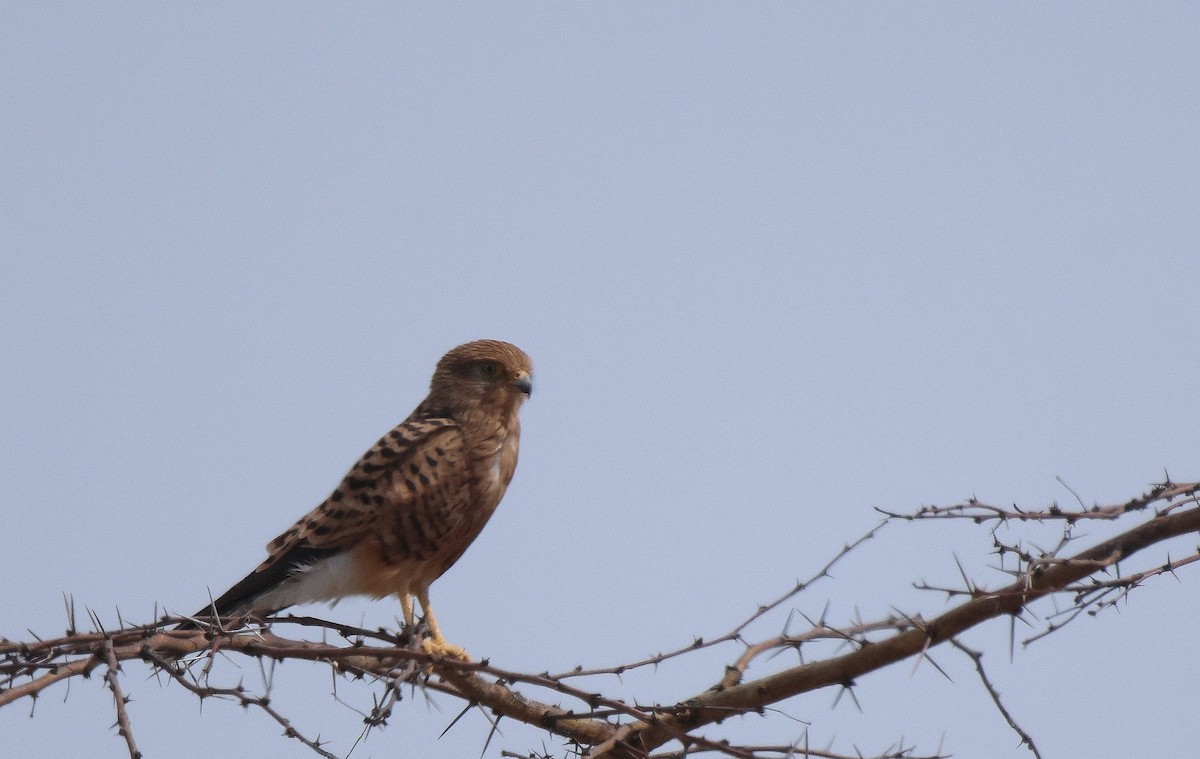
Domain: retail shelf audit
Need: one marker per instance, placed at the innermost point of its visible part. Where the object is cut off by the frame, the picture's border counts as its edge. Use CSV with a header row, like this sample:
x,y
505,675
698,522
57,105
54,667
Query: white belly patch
x,y
325,580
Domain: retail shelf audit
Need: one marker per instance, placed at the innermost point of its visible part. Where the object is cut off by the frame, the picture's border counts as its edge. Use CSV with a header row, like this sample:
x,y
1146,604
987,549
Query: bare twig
x,y
735,633
239,694
124,727
977,658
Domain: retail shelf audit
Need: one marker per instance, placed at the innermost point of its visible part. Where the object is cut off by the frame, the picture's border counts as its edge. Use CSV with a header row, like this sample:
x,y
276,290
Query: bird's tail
x,y
253,594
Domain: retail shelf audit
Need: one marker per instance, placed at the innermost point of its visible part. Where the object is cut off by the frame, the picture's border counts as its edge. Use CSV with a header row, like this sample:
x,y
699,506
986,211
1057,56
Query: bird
x,y
411,506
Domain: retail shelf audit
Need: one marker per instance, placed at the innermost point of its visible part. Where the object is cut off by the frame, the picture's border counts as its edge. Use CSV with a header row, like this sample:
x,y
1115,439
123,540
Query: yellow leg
x,y
436,644
406,607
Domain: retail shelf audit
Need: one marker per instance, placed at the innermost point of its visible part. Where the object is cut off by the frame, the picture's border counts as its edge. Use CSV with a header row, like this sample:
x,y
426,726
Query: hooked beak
x,y
524,383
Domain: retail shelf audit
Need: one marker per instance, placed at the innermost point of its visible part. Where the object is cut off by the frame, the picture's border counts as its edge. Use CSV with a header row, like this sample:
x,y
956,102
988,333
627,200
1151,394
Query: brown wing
x,y
409,471
354,507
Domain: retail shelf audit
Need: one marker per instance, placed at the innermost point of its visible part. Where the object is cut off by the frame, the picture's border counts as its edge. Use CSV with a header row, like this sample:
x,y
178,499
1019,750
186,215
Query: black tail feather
x,y
240,599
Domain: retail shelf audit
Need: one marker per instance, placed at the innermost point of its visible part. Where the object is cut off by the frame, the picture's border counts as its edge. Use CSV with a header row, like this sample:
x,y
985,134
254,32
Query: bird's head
x,y
484,375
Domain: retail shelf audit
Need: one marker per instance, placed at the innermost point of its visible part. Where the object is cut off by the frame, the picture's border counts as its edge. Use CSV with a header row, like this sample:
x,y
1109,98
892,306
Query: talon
x,y
442,648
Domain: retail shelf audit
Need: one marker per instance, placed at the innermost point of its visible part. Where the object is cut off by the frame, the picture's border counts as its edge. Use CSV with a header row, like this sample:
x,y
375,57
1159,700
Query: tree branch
x,y
643,737
609,727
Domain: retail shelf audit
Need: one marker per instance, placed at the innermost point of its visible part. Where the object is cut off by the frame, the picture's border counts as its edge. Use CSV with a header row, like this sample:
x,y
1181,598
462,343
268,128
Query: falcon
x,y
411,505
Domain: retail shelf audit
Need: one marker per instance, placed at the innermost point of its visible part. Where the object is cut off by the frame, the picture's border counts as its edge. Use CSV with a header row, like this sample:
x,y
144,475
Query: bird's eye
x,y
489,370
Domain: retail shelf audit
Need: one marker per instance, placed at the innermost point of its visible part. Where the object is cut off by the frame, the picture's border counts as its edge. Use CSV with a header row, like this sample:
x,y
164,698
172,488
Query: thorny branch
x,y
179,674
596,725
736,633
977,658
124,728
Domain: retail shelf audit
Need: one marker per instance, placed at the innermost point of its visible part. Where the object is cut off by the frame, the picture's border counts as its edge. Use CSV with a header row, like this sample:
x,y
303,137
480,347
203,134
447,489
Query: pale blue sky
x,y
776,264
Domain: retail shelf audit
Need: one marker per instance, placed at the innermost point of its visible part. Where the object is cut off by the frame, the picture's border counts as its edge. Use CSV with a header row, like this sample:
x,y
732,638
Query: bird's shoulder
x,y
418,436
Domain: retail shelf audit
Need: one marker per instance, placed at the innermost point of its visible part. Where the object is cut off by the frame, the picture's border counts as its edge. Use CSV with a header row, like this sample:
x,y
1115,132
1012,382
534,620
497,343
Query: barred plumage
x,y
412,504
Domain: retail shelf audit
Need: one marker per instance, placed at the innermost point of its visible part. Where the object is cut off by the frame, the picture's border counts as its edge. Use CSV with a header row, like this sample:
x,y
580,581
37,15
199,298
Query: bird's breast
x,y
499,466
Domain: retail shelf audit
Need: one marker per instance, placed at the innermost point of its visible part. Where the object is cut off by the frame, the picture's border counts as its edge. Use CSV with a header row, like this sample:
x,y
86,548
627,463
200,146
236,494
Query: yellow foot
x,y
442,648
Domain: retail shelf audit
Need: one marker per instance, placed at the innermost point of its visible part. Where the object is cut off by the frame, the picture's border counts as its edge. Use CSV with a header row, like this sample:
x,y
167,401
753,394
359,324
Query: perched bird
x,y
411,505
